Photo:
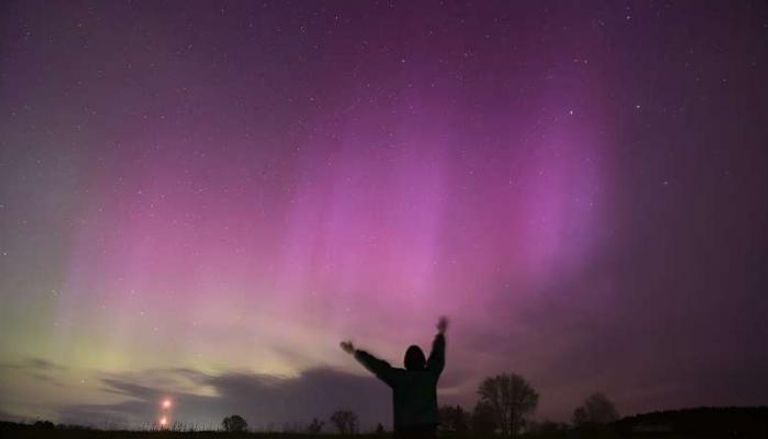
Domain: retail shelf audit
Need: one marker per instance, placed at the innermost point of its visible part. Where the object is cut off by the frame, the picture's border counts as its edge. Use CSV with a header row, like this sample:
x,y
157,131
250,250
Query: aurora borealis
x,y
199,200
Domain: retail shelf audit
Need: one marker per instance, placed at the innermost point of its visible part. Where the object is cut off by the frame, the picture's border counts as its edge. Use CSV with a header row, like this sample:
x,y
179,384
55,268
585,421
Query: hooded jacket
x,y
414,390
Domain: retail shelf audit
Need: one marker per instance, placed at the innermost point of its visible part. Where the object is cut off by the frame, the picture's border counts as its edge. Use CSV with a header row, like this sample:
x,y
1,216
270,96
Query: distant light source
x,y
166,403
164,421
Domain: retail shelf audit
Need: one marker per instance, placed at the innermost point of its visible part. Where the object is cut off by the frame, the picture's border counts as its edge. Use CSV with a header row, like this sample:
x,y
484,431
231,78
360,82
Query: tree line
x,y
505,405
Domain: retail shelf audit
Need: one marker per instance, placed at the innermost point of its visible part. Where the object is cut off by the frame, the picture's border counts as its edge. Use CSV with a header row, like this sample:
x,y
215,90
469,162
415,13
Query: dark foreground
x,y
23,432
58,433
699,423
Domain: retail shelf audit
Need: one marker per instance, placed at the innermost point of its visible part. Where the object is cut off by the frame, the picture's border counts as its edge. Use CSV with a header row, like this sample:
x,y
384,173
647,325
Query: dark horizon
x,y
200,200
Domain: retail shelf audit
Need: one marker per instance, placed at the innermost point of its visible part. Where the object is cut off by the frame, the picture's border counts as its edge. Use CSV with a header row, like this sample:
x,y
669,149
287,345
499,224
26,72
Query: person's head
x,y
414,358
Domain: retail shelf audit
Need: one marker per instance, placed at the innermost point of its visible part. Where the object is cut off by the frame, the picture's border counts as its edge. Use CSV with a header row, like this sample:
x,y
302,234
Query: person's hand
x,y
442,324
347,346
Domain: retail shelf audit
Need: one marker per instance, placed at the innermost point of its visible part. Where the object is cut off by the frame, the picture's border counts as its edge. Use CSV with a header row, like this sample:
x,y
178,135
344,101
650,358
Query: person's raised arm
x,y
436,361
380,368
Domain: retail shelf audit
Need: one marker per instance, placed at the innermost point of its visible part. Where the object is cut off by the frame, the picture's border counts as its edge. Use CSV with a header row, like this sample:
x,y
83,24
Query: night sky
x,y
199,200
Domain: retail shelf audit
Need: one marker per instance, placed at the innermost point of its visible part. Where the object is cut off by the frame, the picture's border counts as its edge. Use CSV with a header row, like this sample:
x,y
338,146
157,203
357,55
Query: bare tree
x,y
345,421
511,399
596,410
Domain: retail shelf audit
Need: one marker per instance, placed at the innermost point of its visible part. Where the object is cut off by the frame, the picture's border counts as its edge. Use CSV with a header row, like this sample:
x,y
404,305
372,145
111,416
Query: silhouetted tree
x,y
454,418
379,429
345,421
315,427
512,398
234,424
596,410
483,421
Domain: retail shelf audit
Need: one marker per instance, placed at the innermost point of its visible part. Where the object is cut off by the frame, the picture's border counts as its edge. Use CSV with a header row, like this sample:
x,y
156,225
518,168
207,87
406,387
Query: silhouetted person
x,y
414,389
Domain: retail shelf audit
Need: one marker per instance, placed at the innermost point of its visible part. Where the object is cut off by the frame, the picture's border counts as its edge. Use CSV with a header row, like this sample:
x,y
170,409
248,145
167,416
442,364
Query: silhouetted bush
x,y
596,410
548,428
315,427
234,424
454,419
44,425
483,421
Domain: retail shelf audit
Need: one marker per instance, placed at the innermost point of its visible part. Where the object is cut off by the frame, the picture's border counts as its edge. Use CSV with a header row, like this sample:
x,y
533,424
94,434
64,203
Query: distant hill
x,y
700,422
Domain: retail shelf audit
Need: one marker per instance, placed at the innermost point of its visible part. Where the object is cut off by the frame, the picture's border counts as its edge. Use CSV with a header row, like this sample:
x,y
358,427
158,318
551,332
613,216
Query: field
x,y
698,423
21,431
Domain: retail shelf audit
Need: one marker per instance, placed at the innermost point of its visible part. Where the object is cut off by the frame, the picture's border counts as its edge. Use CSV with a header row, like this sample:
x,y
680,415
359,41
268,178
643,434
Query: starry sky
x,y
199,200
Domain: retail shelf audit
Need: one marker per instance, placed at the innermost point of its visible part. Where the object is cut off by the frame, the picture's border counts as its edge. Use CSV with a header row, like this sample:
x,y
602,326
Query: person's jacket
x,y
414,392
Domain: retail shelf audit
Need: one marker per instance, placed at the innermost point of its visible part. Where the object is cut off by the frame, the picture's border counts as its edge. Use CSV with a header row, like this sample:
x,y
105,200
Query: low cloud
x,y
266,401
40,369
